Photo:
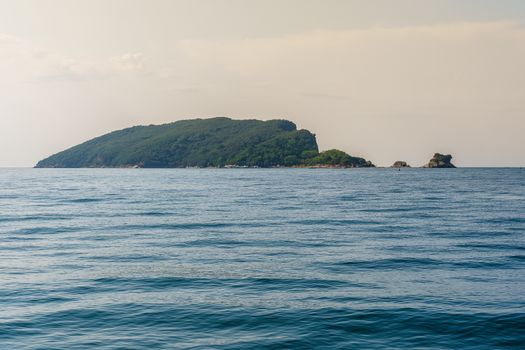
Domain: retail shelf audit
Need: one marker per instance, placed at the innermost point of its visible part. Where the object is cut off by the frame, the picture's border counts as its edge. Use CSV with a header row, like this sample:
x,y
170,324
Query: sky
x,y
381,79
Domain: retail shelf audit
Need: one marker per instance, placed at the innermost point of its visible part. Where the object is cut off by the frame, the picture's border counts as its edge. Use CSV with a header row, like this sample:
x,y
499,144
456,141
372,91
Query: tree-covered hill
x,y
214,142
335,157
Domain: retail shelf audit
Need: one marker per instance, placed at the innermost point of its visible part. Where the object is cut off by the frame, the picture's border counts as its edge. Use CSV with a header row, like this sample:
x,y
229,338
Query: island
x,y
215,142
440,161
400,164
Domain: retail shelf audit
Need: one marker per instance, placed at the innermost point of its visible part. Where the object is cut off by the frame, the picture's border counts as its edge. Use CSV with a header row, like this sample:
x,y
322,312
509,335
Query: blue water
x,y
262,259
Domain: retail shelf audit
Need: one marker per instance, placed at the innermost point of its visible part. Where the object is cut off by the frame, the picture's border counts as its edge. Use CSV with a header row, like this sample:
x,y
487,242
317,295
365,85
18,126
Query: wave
x,y
131,325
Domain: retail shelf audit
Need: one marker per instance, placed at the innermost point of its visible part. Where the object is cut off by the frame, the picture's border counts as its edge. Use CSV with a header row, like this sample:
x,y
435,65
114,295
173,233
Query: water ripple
x,y
262,258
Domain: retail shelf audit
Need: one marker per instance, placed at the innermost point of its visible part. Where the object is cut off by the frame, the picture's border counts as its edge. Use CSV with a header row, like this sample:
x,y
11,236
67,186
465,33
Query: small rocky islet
x,y
400,164
440,161
437,161
215,142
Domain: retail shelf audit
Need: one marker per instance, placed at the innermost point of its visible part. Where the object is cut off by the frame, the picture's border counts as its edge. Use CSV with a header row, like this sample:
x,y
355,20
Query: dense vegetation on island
x,y
215,142
335,157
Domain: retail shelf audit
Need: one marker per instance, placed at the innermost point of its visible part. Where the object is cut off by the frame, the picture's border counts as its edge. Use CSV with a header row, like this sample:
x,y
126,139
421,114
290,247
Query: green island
x,y
214,142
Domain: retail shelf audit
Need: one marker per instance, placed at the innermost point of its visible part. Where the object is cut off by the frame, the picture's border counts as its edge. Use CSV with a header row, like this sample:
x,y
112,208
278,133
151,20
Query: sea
x,y
262,258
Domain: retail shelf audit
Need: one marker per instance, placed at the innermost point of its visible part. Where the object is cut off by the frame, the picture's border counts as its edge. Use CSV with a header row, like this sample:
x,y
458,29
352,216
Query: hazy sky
x,y
386,80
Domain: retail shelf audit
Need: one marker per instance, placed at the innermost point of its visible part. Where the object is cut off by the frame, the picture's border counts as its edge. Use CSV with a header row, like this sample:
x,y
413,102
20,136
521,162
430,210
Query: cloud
x,y
6,39
386,93
432,84
128,62
325,96
382,69
365,56
21,61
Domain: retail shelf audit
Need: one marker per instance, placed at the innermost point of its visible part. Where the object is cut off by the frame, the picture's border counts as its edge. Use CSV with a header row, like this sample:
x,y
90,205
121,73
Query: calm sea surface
x,y
262,259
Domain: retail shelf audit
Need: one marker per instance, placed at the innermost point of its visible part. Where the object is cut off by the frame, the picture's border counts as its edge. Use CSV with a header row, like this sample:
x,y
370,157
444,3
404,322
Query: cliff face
x,y
440,161
215,142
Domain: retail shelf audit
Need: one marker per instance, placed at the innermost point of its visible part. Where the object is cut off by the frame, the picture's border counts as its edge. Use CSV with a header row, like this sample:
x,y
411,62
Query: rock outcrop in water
x,y
215,142
440,161
400,164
